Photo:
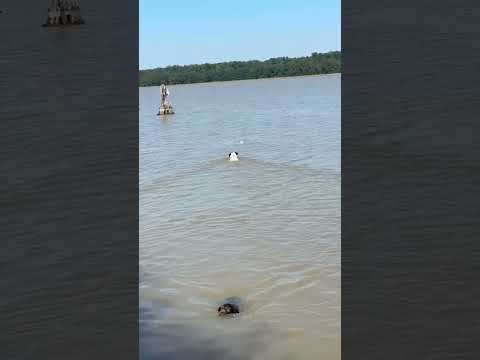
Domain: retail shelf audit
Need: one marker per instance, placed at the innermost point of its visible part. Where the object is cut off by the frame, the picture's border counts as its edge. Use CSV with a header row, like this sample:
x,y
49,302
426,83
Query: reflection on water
x,y
266,228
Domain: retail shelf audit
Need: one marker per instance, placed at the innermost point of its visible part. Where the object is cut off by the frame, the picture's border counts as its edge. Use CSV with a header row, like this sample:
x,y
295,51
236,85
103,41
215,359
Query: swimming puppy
x,y
231,305
233,156
227,309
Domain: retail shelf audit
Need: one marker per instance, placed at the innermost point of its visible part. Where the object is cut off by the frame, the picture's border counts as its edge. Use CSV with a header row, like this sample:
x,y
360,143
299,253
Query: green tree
x,y
317,63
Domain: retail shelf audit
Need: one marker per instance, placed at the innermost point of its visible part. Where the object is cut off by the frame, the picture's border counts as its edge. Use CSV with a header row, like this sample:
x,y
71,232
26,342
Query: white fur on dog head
x,y
233,156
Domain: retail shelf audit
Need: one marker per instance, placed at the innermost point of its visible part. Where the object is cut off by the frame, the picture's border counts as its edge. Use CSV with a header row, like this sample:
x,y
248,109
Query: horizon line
x,y
228,61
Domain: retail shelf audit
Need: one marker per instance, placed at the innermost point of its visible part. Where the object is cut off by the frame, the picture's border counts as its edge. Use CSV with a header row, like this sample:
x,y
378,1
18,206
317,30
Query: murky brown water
x,y
67,97
266,228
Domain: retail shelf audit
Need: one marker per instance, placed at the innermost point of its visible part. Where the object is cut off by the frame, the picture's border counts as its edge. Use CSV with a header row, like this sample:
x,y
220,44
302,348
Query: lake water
x,y
265,228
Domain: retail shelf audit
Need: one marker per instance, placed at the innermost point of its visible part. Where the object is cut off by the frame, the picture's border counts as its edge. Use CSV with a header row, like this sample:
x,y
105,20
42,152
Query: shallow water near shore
x,y
265,228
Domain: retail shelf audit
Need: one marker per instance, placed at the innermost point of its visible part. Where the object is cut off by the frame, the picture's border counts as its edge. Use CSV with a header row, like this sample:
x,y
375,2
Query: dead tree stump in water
x,y
166,107
64,13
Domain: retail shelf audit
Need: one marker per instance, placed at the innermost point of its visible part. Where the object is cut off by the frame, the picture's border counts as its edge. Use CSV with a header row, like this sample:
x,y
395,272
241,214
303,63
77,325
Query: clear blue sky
x,y
181,32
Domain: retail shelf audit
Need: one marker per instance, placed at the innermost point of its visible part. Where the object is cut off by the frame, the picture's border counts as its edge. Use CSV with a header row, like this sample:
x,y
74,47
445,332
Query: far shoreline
x,y
227,81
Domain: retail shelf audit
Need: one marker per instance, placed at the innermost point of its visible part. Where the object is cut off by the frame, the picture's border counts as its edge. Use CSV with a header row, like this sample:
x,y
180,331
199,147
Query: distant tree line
x,y
326,63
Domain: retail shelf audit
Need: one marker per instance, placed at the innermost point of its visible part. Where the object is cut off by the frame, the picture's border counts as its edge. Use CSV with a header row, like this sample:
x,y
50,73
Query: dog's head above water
x,y
233,156
227,309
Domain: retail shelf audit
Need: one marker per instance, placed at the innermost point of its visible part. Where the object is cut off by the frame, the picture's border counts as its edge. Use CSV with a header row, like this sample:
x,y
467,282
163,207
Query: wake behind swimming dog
x,y
233,156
